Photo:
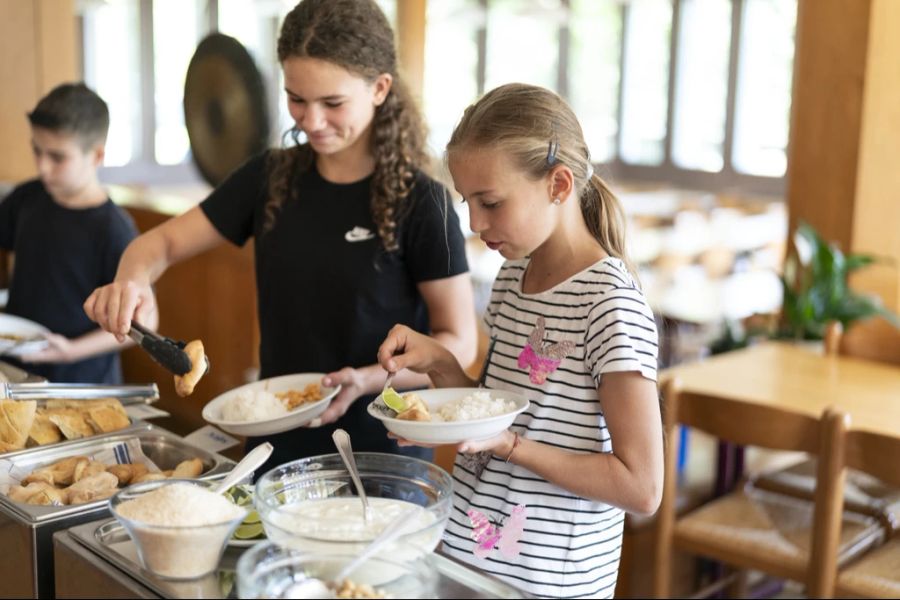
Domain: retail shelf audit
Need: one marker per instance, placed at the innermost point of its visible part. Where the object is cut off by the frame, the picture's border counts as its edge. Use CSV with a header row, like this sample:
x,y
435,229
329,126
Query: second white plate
x,y
298,417
448,432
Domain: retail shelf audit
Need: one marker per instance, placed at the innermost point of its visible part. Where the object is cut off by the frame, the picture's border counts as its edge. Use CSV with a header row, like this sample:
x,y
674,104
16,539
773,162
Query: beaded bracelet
x,y
515,445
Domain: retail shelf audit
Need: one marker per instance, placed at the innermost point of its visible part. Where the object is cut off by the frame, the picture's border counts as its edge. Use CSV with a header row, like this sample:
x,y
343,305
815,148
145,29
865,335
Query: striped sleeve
x,y
621,335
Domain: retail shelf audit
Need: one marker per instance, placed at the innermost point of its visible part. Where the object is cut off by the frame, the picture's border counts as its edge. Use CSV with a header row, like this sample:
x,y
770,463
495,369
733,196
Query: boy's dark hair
x,y
75,109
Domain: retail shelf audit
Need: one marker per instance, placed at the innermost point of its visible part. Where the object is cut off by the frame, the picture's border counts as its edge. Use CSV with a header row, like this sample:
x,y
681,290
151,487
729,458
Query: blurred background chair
x,y
877,573
787,537
878,340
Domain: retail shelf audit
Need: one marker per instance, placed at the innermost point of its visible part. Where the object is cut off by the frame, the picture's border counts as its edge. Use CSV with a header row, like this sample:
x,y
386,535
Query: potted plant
x,y
816,289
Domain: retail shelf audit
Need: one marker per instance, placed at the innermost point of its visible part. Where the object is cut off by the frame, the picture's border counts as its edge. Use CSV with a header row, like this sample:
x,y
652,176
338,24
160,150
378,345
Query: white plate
x,y
12,325
448,432
298,417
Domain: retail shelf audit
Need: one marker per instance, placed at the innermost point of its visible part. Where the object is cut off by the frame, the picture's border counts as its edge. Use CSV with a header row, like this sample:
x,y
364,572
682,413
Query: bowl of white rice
x,y
256,409
457,415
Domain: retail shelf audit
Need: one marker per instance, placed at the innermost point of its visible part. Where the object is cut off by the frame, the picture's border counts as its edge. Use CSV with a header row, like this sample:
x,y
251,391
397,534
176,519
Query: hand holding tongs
x,y
167,352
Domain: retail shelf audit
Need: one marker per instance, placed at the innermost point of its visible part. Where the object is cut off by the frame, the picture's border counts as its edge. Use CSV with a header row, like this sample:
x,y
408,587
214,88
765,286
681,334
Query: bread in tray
x,y
78,479
16,419
55,420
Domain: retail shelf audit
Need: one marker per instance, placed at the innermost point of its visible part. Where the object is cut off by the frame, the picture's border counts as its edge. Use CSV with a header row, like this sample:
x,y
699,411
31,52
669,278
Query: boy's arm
x,y
65,350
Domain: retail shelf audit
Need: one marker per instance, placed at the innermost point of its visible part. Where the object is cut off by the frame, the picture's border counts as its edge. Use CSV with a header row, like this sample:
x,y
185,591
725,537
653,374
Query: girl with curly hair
x,y
351,235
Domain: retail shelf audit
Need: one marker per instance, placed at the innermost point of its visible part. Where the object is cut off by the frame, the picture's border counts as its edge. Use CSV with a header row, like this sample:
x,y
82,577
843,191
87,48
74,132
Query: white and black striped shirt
x,y
571,545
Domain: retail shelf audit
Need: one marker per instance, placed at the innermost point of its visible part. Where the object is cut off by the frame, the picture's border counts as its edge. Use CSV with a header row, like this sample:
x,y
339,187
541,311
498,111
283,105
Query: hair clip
x,y
590,170
552,149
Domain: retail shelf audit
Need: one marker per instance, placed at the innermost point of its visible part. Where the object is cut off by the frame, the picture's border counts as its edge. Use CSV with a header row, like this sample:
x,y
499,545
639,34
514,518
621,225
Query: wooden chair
x,y
785,537
877,573
873,339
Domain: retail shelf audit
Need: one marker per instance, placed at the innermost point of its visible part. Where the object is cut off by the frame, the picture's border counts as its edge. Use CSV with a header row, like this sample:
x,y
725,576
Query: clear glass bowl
x,y
271,571
184,552
311,504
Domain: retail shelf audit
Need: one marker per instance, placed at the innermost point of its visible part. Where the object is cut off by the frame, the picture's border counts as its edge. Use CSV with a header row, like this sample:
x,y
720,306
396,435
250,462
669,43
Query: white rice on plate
x,y
253,405
478,405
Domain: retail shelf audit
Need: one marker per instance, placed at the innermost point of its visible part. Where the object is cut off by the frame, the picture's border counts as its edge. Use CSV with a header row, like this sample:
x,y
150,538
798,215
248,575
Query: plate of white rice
x,y
259,408
457,415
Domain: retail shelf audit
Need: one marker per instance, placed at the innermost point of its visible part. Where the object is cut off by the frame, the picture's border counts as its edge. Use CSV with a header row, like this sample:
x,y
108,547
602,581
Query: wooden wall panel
x,y
877,200
211,297
57,46
39,52
411,43
845,132
829,74
19,81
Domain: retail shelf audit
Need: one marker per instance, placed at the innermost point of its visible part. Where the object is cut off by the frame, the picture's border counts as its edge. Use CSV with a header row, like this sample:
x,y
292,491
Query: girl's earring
x,y
556,201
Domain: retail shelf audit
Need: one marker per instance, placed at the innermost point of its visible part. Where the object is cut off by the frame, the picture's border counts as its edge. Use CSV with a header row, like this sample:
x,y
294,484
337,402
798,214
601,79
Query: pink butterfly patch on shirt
x,y
542,359
504,537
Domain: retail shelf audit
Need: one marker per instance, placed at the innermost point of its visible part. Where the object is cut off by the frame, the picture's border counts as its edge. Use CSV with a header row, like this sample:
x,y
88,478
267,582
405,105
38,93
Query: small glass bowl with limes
x,y
250,530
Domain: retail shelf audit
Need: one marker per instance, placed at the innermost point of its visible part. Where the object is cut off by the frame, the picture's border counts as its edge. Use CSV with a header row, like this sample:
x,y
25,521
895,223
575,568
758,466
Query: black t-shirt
x,y
327,291
62,255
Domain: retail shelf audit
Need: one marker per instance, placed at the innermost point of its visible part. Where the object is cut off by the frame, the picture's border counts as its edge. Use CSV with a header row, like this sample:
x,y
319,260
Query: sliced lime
x,y
252,517
248,532
393,400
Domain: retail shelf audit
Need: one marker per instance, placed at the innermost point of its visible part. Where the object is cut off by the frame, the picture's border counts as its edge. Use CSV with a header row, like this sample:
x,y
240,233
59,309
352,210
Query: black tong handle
x,y
165,351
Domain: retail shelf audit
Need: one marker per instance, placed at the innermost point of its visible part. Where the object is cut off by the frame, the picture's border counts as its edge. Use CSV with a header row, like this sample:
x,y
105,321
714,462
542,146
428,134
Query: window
x,y
689,92
136,54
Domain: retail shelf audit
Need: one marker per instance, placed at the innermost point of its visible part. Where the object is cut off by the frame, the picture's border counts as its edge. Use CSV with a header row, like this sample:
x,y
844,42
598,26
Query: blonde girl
x,y
572,331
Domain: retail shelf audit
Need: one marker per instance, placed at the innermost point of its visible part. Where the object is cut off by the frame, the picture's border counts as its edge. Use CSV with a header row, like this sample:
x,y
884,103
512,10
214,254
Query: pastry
x,y
184,384
16,418
188,469
106,418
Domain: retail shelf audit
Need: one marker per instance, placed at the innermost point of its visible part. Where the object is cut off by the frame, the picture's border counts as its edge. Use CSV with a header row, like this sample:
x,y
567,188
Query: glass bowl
x,y
271,571
176,552
311,504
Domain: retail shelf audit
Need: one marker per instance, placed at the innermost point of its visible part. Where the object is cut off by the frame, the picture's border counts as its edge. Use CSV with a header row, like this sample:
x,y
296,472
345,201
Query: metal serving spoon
x,y
342,441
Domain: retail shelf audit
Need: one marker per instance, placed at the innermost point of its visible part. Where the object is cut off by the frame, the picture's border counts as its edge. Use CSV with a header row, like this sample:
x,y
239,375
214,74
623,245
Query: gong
x,y
225,110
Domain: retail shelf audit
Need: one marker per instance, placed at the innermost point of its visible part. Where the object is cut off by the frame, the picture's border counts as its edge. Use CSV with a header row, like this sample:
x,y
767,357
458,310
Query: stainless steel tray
x,y
133,427
41,390
109,540
164,448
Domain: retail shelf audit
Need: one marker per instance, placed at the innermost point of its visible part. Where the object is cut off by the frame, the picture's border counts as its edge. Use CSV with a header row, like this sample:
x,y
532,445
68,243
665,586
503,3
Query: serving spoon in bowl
x,y
342,441
247,465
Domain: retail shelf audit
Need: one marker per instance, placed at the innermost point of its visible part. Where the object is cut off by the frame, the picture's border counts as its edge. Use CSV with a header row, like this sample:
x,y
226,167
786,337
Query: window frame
x,y
667,172
144,168
728,178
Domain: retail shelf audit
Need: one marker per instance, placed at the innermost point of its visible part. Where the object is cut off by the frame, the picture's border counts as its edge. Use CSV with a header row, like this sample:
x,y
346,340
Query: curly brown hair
x,y
355,35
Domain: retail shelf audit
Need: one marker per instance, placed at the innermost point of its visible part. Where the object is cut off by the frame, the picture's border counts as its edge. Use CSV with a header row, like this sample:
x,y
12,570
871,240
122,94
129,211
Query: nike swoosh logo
x,y
358,234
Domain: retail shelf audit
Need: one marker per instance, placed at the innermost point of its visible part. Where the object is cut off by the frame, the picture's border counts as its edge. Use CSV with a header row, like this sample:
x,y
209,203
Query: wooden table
x,y
795,377
798,378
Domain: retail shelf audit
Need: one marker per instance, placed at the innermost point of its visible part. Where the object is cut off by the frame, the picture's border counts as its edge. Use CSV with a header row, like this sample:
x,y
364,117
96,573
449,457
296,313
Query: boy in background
x,y
67,237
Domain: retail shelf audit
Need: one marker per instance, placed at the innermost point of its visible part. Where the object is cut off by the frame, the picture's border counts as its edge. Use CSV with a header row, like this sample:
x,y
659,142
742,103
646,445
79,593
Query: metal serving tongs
x,y
166,351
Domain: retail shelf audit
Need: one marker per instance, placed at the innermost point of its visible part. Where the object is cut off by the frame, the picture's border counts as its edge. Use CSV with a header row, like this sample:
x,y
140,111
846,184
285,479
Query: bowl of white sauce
x,y
311,504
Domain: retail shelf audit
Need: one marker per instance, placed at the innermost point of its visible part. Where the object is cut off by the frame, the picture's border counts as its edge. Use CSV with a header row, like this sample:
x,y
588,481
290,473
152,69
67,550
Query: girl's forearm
x,y
601,477
95,342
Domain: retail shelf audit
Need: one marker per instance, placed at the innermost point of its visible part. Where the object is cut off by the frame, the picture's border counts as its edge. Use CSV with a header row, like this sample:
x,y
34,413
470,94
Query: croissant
x,y
59,473
86,469
48,497
20,493
98,485
188,469
184,384
416,409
